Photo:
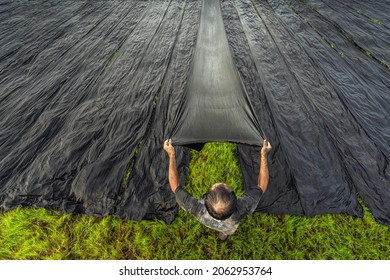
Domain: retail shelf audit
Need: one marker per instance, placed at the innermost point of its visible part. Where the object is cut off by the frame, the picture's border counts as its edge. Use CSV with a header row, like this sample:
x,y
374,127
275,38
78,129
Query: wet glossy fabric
x,y
89,90
215,106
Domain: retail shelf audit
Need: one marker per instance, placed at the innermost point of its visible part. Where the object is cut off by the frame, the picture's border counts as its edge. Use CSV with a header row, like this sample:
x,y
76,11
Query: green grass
x,y
41,234
111,59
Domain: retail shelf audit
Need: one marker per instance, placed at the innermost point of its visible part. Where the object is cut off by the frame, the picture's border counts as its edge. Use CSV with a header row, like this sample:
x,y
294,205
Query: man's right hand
x,y
266,147
169,148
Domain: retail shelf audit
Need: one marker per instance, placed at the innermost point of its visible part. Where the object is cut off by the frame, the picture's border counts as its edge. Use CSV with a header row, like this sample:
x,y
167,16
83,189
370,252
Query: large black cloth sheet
x,y
89,90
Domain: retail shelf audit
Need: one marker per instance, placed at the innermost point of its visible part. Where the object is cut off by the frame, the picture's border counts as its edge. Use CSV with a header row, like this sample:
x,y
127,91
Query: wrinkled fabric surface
x,y
215,106
89,90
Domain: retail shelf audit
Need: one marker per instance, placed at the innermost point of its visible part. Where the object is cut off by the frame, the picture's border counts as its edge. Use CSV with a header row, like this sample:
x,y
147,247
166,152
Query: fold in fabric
x,y
215,106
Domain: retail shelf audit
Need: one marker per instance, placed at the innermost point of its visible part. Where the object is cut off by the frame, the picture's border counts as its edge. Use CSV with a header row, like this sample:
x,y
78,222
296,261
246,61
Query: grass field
x,y
42,234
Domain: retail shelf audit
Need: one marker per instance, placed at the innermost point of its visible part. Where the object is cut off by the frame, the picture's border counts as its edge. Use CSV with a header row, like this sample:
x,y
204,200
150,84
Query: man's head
x,y
220,201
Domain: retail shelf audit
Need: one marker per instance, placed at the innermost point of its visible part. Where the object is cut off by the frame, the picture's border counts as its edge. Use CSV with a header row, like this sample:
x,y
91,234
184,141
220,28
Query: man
x,y
219,208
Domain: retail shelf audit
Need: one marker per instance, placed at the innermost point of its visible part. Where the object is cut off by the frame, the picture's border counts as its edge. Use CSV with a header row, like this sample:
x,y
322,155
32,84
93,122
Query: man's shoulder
x,y
248,202
254,191
181,192
186,201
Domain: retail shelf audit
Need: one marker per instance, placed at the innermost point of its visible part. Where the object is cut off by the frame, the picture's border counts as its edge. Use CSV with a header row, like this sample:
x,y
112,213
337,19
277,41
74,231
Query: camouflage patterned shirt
x,y
246,205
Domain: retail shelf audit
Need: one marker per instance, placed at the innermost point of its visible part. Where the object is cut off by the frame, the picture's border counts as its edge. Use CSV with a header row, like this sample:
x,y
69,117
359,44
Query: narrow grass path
x,y
41,234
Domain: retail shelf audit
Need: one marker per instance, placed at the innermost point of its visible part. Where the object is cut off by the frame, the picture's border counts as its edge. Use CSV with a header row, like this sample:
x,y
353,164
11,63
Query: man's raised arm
x,y
263,173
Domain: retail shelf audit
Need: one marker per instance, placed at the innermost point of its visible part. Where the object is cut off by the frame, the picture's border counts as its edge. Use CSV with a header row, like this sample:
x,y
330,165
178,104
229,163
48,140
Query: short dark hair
x,y
221,194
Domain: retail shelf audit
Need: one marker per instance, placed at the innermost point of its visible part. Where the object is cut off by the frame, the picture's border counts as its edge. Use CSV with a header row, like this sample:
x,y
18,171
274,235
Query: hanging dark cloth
x,y
215,106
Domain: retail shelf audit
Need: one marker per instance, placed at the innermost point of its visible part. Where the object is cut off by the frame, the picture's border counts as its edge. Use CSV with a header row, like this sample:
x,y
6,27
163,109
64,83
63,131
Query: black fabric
x,y
319,105
215,106
89,90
